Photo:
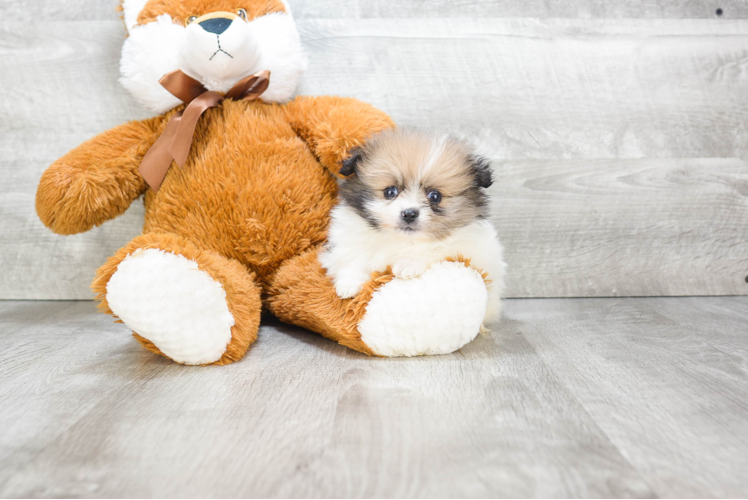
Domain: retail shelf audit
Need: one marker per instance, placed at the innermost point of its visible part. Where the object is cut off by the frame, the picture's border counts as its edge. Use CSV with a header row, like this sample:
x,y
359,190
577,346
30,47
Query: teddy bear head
x,y
217,42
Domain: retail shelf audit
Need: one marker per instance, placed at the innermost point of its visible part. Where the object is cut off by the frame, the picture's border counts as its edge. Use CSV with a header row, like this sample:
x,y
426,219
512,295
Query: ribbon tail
x,y
179,148
182,86
176,140
250,87
157,160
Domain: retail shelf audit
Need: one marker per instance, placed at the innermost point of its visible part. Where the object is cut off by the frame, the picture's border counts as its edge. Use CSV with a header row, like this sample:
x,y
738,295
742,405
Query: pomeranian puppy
x,y
413,198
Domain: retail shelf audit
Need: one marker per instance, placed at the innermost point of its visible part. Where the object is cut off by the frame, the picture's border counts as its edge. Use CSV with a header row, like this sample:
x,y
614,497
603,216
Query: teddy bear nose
x,y
216,25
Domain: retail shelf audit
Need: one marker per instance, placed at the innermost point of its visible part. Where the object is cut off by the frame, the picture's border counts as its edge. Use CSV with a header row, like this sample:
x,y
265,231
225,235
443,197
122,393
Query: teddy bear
x,y
238,177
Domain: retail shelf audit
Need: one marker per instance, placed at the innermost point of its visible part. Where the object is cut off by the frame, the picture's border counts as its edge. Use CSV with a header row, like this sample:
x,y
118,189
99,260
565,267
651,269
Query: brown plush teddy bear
x,y
238,183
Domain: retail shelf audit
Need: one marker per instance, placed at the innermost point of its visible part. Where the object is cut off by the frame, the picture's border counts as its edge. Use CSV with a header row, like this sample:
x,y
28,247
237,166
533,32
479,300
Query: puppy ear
x,y
482,171
350,164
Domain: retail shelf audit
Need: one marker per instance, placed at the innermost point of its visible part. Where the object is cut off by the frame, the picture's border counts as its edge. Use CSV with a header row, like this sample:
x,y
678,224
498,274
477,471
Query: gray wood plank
x,y
301,416
61,89
302,9
623,227
566,398
655,9
58,360
660,377
63,10
592,91
547,89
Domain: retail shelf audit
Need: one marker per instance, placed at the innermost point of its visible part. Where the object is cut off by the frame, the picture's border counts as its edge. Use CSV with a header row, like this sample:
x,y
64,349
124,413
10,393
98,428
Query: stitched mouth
x,y
218,39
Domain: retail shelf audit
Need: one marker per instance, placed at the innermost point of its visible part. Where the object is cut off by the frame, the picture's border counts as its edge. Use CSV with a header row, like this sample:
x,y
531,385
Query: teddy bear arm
x,y
332,126
436,313
96,181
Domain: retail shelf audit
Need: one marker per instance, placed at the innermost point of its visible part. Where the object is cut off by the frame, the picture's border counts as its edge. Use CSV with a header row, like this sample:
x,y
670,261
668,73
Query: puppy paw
x,y
348,286
409,268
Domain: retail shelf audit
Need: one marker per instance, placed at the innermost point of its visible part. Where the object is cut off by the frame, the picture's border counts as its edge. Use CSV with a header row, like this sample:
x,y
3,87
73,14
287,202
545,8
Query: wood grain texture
x,y
61,10
665,380
547,89
566,398
623,227
78,10
60,81
633,97
585,9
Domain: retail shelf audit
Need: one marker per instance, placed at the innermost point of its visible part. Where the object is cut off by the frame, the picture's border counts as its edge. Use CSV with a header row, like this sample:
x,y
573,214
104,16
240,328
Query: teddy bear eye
x,y
390,192
435,197
242,13
190,20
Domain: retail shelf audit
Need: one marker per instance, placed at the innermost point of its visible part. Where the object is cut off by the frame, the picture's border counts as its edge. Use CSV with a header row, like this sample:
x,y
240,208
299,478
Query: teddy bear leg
x,y
193,306
437,313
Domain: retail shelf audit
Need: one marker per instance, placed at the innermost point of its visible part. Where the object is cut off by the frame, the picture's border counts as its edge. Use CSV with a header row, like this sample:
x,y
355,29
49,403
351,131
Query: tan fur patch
x,y
405,157
417,163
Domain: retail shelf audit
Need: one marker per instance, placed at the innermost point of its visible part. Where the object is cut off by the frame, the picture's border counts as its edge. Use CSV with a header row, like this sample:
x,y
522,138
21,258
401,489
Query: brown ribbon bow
x,y
176,139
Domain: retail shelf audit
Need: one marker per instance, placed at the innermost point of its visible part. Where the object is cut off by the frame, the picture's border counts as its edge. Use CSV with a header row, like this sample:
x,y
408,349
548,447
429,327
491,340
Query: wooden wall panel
x,y
76,10
605,228
548,89
621,121
584,9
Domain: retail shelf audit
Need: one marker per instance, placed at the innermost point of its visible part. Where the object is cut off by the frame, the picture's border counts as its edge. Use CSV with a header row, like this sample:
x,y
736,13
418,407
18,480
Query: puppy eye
x,y
242,13
190,20
435,197
390,192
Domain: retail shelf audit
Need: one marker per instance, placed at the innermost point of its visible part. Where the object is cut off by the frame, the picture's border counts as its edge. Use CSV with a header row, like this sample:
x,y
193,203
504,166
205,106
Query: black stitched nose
x,y
216,25
409,215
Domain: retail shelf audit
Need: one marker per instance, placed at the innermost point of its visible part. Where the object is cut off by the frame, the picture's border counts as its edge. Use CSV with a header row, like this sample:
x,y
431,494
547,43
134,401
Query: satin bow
x,y
176,139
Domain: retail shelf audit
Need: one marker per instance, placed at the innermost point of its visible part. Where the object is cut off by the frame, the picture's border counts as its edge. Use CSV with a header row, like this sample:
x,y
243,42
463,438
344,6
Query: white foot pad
x,y
435,314
166,299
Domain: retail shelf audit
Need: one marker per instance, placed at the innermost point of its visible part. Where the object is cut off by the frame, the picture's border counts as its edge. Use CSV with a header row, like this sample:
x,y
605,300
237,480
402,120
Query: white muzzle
x,y
219,49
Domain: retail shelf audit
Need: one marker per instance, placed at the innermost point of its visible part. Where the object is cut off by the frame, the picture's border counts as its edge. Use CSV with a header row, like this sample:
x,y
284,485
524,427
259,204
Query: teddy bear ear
x,y
350,164
287,6
131,9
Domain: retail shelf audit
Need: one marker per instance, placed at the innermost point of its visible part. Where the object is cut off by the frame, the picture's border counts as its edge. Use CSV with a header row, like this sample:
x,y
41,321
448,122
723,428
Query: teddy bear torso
x,y
251,189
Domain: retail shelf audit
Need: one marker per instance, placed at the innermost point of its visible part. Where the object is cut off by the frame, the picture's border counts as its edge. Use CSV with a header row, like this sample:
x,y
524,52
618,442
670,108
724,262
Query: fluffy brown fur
x,y
254,194
302,279
304,295
242,292
98,180
180,11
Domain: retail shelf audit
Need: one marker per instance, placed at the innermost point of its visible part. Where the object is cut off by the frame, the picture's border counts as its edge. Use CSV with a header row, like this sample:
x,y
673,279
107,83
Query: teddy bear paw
x,y
436,313
166,299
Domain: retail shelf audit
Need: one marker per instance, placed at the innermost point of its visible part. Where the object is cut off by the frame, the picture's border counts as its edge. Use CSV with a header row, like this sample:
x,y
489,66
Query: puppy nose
x,y
216,25
409,215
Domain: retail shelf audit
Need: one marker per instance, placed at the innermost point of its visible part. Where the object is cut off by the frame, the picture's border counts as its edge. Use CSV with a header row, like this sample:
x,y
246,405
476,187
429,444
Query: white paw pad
x,y
166,299
435,314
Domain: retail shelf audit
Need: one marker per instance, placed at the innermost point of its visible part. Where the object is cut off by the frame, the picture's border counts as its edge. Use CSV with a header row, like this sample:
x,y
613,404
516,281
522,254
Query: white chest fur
x,y
355,250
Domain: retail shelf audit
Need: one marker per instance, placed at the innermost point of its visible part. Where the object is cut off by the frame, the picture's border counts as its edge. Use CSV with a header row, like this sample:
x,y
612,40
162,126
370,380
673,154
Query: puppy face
x,y
416,183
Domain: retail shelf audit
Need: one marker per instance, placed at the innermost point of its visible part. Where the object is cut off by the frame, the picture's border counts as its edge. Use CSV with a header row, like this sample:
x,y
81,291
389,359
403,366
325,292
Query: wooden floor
x,y
567,397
